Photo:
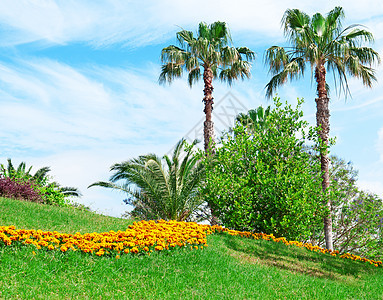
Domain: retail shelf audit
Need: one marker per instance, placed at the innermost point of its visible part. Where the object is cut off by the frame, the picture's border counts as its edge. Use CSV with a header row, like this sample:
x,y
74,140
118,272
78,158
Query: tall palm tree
x,y
211,51
323,43
166,190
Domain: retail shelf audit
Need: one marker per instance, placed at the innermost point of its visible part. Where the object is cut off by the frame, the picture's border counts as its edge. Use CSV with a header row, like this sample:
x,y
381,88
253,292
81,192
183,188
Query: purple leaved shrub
x,y
19,189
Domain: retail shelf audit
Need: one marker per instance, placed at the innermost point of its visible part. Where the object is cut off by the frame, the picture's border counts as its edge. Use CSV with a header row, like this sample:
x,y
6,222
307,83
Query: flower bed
x,y
143,237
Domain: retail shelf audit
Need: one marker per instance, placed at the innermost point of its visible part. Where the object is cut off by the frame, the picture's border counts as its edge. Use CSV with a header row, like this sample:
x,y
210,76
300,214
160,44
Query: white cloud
x,y
141,23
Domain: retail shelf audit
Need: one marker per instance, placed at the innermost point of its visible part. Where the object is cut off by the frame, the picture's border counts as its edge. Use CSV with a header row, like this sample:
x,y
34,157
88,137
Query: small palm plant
x,y
254,119
158,188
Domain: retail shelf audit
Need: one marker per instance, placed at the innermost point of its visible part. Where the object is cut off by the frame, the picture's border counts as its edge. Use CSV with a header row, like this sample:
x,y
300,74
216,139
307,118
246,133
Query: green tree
x,y
265,180
357,215
211,51
160,190
323,43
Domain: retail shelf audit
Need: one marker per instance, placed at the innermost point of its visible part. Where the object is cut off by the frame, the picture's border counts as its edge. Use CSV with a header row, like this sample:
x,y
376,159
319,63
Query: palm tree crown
x,y
321,42
211,51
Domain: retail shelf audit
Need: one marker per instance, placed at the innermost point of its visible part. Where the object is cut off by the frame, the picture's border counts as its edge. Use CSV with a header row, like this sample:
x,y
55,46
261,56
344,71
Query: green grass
x,y
230,268
62,219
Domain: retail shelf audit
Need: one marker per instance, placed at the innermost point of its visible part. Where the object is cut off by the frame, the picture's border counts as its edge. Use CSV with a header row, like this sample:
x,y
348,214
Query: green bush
x,y
264,179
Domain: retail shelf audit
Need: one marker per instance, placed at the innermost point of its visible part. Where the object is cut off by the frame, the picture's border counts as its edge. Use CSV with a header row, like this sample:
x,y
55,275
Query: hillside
x,y
231,267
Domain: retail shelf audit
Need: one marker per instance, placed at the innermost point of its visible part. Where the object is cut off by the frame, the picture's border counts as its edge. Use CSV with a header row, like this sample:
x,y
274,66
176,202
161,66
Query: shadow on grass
x,y
294,259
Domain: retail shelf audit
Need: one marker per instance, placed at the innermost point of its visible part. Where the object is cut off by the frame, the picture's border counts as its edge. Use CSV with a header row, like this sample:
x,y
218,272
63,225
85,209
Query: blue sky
x,y
79,84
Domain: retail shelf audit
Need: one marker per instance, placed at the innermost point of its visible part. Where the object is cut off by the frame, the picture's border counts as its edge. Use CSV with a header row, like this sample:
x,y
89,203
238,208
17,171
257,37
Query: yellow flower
x,y
158,248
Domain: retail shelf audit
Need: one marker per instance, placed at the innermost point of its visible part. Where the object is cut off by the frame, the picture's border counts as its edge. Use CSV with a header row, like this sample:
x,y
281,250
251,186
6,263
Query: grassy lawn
x,y
230,268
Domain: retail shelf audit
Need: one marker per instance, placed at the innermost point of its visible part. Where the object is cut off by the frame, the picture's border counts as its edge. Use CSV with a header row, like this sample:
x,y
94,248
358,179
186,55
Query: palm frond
x,y
41,174
239,69
219,32
296,25
185,36
359,35
11,170
21,168
169,72
194,76
276,81
276,57
111,185
365,55
249,55
70,191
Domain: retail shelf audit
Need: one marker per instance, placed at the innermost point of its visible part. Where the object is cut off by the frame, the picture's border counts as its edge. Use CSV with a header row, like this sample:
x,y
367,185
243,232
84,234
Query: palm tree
x,y
211,51
160,190
254,119
323,44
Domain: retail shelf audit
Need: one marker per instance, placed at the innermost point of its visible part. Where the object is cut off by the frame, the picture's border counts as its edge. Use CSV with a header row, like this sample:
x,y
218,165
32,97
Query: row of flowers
x,y
308,246
143,237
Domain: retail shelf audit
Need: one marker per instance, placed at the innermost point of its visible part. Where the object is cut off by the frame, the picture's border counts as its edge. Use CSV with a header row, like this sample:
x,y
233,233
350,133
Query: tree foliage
x,y
357,214
264,180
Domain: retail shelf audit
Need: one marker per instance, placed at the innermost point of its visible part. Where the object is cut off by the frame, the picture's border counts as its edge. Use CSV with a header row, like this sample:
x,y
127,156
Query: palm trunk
x,y
323,122
208,125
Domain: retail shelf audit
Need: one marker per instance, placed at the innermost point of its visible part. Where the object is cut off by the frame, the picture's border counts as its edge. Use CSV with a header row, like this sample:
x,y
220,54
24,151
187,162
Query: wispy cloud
x,y
108,22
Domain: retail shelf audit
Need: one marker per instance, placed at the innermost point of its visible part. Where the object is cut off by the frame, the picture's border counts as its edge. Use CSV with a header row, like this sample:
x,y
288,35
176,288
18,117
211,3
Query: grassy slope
x,y
230,268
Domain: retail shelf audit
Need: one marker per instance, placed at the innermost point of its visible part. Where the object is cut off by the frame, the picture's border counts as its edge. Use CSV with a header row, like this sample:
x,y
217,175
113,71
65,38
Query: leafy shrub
x,y
52,195
19,189
264,180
